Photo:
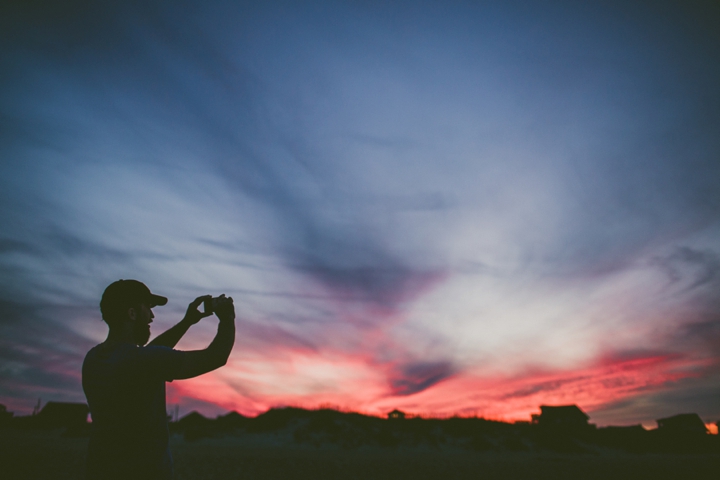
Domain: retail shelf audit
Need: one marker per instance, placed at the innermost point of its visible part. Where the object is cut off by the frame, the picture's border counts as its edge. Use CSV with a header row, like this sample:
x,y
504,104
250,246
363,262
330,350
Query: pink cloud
x,y
355,383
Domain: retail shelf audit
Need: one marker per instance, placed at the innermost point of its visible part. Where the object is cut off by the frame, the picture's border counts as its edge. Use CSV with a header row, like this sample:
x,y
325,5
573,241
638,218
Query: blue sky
x,y
449,207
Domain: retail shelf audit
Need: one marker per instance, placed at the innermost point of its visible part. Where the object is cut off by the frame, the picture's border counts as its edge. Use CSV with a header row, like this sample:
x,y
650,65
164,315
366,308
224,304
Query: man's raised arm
x,y
172,336
197,362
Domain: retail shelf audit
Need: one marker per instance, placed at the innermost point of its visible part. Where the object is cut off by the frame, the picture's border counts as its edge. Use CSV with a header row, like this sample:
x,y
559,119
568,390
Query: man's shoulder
x,y
107,349
151,360
155,351
159,361
124,351
108,353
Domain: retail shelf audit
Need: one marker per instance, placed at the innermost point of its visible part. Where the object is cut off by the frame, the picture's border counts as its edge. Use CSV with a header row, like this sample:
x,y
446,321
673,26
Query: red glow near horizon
x,y
350,384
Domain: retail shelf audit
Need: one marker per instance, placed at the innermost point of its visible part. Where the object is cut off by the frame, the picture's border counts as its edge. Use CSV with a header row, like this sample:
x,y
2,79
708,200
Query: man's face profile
x,y
141,318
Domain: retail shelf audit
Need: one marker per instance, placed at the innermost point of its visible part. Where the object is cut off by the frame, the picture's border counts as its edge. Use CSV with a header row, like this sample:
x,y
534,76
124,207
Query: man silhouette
x,y
124,380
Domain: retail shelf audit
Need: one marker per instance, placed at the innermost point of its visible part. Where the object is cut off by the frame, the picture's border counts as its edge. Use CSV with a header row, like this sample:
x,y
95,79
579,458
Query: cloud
x,y
542,387
39,355
343,172
702,266
692,394
704,332
260,337
382,285
408,379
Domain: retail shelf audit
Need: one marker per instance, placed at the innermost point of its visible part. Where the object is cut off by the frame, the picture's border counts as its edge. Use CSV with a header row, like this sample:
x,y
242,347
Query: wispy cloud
x,y
428,200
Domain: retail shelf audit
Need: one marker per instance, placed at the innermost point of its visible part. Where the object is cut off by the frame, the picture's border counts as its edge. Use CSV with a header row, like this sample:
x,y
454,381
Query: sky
x,y
450,208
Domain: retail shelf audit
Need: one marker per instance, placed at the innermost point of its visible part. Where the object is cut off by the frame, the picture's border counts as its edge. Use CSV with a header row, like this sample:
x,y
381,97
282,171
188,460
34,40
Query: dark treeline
x,y
562,429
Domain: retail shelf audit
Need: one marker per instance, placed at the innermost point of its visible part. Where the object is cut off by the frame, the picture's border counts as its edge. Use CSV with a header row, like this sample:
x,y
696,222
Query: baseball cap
x,y
125,293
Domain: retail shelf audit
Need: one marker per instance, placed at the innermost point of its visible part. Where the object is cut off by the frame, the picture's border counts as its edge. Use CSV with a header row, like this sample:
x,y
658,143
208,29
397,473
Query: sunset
x,y
448,208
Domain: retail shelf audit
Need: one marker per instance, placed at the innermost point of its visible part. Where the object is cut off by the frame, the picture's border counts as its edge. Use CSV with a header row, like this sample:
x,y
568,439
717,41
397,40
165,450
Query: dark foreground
x,y
39,455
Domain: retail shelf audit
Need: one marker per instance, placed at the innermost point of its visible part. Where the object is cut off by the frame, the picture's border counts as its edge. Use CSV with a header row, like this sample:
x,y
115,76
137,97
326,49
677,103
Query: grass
x,y
39,455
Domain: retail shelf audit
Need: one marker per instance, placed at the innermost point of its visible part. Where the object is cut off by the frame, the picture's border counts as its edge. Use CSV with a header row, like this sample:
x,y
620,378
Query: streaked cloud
x,y
447,208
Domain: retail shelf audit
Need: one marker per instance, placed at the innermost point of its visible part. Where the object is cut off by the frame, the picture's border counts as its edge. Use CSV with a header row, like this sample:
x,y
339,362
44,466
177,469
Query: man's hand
x,y
197,362
225,309
171,337
193,315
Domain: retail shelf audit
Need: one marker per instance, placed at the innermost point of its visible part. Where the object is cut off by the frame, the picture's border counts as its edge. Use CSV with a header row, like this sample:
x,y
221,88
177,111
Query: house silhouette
x,y
684,424
396,415
561,417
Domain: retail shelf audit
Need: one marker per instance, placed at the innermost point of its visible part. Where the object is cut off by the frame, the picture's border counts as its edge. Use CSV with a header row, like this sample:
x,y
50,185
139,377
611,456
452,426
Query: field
x,y
40,455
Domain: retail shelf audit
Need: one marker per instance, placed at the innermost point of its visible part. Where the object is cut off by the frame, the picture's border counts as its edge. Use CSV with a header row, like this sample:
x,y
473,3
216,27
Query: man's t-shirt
x,y
125,388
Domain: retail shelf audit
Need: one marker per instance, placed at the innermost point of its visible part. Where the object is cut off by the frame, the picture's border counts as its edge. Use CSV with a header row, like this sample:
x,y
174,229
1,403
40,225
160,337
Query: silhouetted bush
x,y
276,419
631,439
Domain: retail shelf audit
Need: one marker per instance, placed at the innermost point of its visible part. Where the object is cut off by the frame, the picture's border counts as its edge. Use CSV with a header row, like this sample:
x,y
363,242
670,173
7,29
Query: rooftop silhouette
x,y
560,428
